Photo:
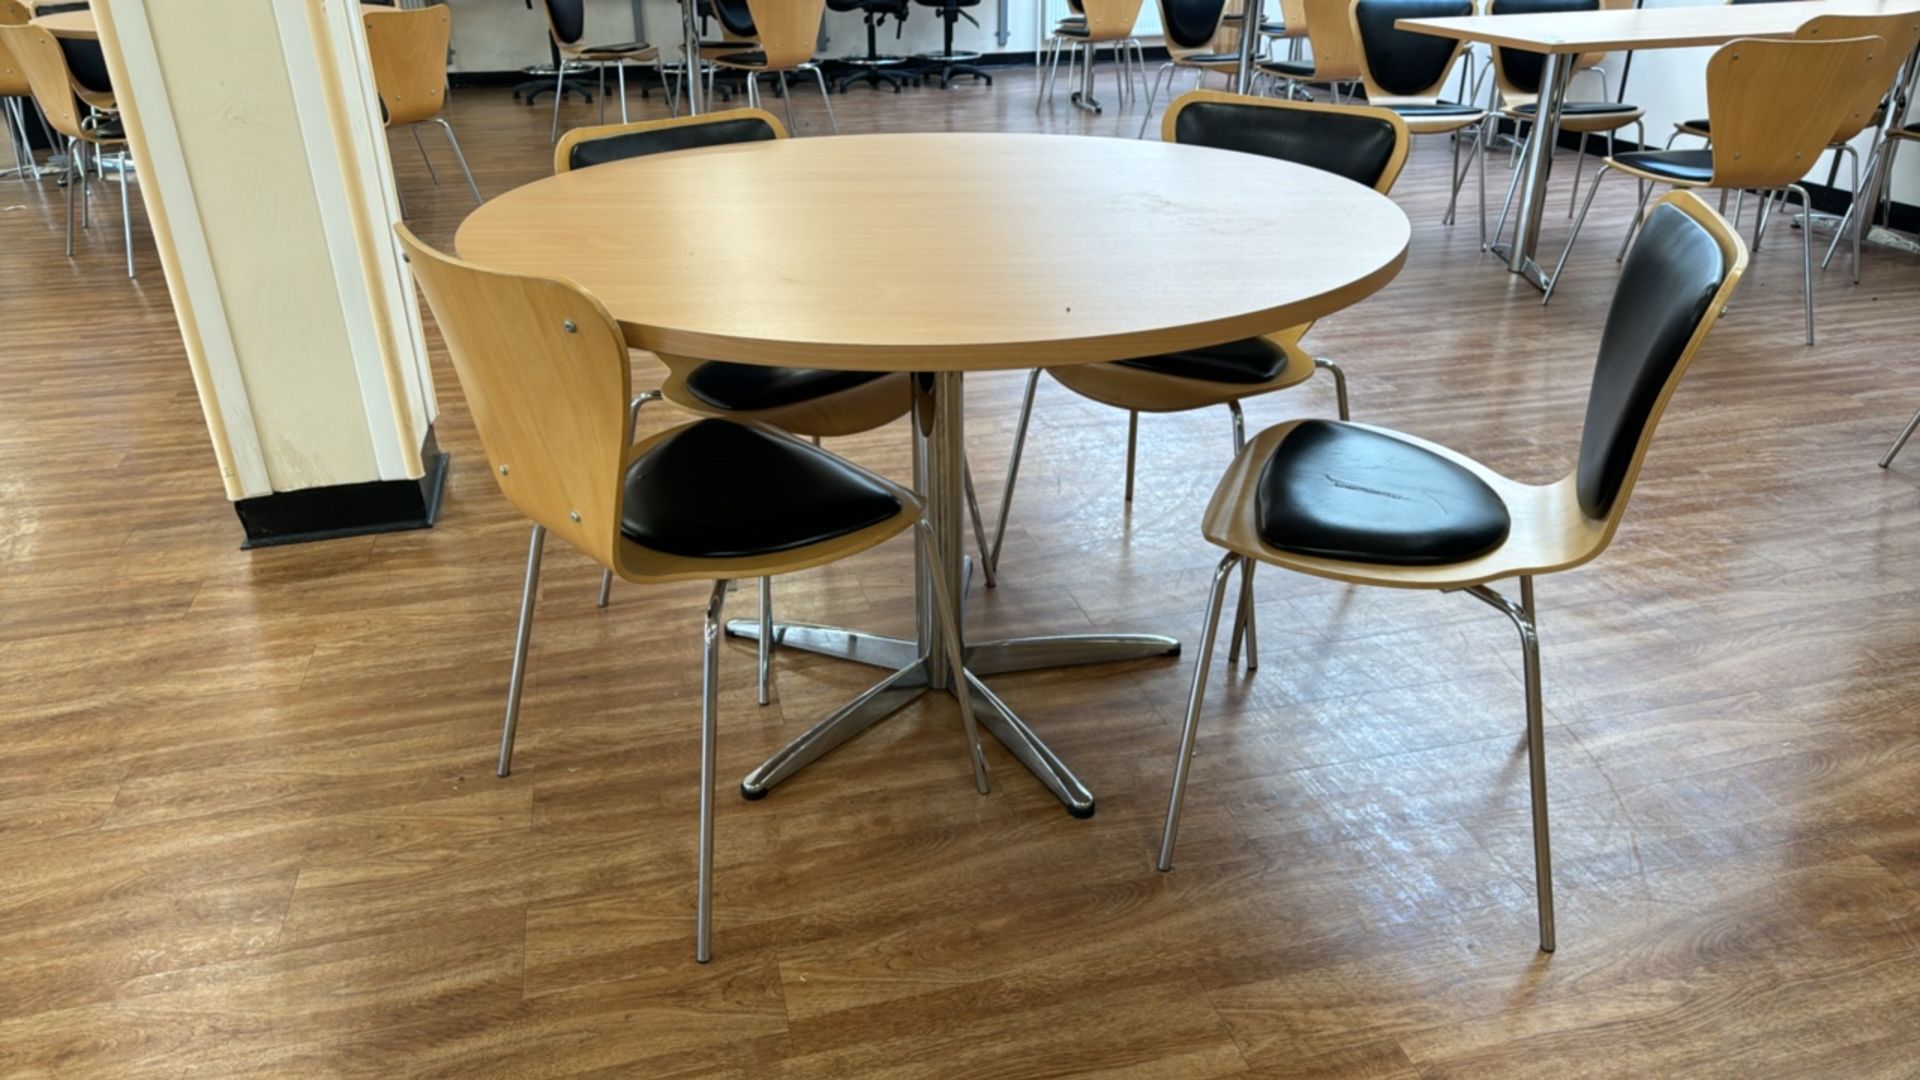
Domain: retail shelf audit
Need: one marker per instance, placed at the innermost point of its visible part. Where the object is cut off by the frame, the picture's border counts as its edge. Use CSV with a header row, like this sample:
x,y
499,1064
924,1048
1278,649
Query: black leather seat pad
x,y
718,490
1338,491
1693,165
1296,68
620,49
1210,58
745,387
1580,108
753,58
1242,363
1438,108
1696,125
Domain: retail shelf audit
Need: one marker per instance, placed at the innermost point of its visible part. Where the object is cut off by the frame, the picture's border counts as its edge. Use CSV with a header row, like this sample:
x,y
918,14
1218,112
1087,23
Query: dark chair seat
x,y
1211,58
111,127
1072,30
1243,363
1694,166
1433,109
755,58
747,387
718,490
624,48
1297,69
1702,125
1582,108
1338,491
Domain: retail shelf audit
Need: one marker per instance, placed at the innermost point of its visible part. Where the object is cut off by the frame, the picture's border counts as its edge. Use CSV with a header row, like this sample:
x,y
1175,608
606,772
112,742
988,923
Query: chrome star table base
x,y
920,665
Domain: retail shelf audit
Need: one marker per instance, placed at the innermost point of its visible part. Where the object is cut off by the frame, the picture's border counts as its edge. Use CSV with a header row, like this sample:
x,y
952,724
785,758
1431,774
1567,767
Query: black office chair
x,y
948,62
873,69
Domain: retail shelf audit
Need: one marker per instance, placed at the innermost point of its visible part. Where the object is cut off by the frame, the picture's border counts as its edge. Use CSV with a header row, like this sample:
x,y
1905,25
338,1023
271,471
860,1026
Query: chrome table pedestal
x,y
921,665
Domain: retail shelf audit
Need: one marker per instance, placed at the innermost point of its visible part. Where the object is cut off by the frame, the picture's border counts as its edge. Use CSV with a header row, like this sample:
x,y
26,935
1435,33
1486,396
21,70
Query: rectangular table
x,y
1563,35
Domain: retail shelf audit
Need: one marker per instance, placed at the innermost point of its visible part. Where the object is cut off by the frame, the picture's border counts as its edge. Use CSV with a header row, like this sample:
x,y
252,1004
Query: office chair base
x,y
874,75
951,66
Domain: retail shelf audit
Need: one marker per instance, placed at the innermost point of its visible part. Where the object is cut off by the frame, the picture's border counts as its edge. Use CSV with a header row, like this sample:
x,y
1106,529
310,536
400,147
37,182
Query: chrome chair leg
x,y
414,130
1579,160
126,213
1153,92
766,640
71,184
948,614
1216,599
979,529
786,96
1592,190
620,79
1901,442
559,91
517,681
633,418
459,157
1133,439
667,86
1806,248
1013,468
826,99
1339,383
711,633
1524,619
1244,625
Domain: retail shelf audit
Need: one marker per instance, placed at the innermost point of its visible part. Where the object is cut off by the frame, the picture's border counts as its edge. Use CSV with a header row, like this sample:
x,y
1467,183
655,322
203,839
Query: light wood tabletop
x,y
1647,28
1010,251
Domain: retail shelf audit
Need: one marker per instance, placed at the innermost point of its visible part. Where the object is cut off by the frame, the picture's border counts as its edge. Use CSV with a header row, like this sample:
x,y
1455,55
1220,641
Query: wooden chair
x,y
1517,73
1105,22
13,88
1883,89
543,366
787,31
1406,72
407,48
1369,506
567,23
1365,144
39,55
1775,105
805,401
1189,28
1335,50
1702,128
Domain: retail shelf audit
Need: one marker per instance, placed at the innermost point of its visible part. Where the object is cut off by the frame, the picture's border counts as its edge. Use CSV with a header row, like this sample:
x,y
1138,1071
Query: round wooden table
x,y
1014,251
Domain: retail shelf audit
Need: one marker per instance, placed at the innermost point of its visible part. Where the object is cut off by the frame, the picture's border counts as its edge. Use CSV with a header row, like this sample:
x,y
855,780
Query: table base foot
x,y
1066,650
841,644
880,701
1529,270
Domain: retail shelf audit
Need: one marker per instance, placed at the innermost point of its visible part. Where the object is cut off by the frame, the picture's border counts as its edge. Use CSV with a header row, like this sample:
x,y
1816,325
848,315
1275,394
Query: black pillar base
x,y
329,513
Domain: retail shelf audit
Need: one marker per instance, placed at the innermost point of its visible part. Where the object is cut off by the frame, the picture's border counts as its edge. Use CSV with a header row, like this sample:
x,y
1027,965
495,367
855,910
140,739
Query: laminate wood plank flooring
x,y
252,826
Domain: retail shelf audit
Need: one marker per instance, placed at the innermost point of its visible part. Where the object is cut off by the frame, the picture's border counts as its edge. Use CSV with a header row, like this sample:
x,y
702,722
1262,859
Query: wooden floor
x,y
251,824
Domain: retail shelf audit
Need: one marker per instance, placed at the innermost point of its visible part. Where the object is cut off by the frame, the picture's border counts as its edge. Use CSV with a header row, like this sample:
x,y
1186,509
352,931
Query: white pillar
x,y
262,161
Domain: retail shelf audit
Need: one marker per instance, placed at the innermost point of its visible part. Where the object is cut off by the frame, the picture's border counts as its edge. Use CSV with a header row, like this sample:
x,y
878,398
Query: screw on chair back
x,y
584,147
1189,26
1111,20
567,20
1902,35
1331,38
788,30
1400,65
1364,144
38,53
13,78
1775,105
543,367
1293,18
407,49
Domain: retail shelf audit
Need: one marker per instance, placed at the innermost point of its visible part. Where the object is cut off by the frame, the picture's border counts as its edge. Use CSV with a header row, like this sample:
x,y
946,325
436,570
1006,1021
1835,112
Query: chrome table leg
x,y
880,701
939,468
870,649
1536,167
